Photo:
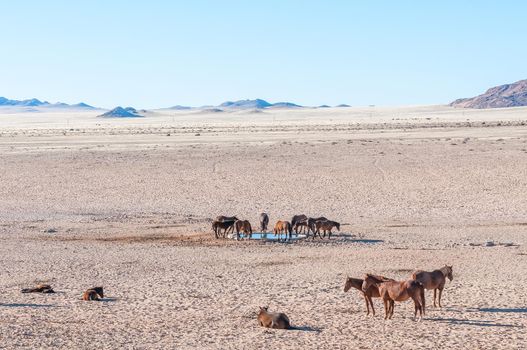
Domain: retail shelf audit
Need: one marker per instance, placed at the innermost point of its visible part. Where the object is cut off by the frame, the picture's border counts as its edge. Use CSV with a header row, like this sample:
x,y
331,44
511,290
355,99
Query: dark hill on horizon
x,y
508,95
120,112
34,102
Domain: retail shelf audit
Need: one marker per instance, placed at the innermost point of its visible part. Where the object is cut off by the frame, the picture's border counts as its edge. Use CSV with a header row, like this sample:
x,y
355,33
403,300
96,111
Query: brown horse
x,y
392,291
434,280
95,293
243,226
326,226
299,222
275,320
311,224
264,222
222,218
41,288
282,227
371,292
217,226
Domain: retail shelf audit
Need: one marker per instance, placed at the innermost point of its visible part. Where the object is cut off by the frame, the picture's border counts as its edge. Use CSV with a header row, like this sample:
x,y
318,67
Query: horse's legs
x,y
367,304
371,304
439,296
329,234
386,308
435,291
392,307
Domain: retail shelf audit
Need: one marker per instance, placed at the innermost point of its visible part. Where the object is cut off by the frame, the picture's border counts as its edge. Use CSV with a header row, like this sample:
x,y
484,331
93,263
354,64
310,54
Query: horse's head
x,y
368,282
337,226
348,284
263,310
449,272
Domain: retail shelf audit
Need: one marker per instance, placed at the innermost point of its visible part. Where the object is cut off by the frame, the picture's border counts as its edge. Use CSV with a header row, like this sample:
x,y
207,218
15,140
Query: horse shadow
x,y
521,310
477,323
307,329
27,305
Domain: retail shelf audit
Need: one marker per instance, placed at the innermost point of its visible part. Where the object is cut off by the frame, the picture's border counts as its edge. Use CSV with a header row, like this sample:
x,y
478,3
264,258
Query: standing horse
x,y
392,291
243,226
434,280
371,292
312,221
326,226
282,227
217,226
264,221
299,221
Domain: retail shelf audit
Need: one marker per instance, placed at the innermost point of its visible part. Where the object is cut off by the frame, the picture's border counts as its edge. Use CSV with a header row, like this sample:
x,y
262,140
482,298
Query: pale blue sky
x,y
161,53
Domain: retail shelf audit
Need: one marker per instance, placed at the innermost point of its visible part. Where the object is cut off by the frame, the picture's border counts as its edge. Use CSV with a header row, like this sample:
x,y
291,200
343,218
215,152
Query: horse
x,y
326,226
41,288
217,226
222,218
392,291
243,226
264,221
312,221
95,293
299,221
275,320
434,280
282,227
371,292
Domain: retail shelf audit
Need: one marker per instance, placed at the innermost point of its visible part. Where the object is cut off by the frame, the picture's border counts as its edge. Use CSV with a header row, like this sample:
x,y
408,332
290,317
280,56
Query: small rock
x,y
489,244
50,230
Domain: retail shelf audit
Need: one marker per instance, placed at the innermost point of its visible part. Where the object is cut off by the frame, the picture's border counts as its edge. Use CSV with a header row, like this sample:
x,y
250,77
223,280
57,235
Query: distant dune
x,y
508,95
120,112
256,104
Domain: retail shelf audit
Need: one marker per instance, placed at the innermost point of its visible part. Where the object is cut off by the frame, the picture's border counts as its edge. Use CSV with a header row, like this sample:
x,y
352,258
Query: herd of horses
x,y
390,290
299,224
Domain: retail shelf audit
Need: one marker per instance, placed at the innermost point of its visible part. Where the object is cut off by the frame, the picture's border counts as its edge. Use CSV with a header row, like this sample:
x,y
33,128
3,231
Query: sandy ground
x,y
126,204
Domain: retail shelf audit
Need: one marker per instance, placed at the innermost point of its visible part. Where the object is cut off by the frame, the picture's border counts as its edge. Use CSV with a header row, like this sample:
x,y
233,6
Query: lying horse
x,y
243,226
326,226
275,320
434,280
264,221
299,221
371,292
41,288
217,226
95,293
282,227
392,291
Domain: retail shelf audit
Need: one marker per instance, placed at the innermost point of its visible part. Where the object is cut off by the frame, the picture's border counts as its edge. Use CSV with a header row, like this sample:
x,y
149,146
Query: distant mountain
x,y
33,102
323,106
285,105
180,108
120,112
256,104
343,105
508,95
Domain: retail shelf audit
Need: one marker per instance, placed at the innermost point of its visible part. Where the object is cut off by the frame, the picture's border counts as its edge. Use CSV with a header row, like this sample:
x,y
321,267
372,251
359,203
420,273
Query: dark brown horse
x,y
222,218
264,222
282,227
217,226
275,320
311,223
371,292
243,226
392,291
299,222
325,226
41,288
434,280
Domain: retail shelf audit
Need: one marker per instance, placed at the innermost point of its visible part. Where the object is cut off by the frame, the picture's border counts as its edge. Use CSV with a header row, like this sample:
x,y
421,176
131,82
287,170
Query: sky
x,y
152,54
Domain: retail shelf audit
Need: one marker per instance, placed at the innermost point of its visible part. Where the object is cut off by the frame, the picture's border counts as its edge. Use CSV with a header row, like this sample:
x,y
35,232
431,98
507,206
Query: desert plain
x,y
127,204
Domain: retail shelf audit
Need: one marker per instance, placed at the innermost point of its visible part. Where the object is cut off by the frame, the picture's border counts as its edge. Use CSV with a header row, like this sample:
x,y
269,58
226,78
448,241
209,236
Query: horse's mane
x,y
379,278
